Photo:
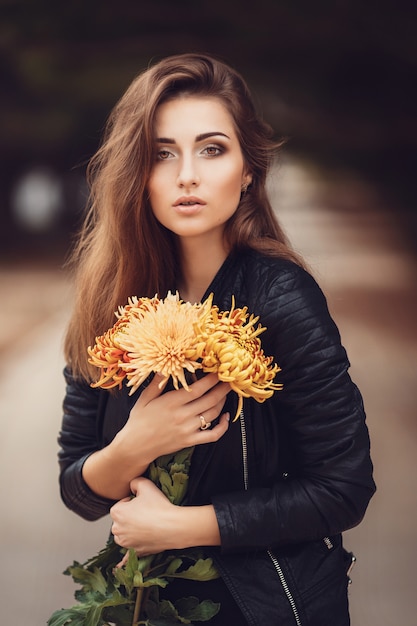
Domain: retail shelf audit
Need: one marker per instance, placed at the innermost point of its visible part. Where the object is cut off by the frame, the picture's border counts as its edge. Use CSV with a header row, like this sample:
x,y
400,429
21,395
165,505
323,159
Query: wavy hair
x,y
122,250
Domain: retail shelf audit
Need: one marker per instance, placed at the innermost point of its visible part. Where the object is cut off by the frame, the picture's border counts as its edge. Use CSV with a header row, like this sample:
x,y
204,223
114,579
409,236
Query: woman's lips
x,y
188,204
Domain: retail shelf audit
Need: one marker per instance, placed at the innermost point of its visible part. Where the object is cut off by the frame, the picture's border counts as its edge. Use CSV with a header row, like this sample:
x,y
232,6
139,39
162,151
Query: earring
x,y
244,188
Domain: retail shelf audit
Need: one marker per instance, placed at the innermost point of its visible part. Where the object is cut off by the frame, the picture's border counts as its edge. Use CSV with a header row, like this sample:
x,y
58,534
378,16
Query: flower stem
x,y
138,605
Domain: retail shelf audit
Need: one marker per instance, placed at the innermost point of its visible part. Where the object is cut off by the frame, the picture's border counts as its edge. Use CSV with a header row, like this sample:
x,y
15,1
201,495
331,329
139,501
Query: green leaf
x,y
120,615
202,570
162,621
123,577
184,456
109,556
166,485
179,488
170,474
150,582
93,580
161,612
143,563
88,597
138,579
154,473
75,616
168,611
132,573
89,613
173,485
176,468
173,567
94,617
182,611
192,609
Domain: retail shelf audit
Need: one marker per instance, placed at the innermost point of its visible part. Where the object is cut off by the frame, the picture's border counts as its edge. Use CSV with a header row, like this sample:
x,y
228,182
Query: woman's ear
x,y
246,181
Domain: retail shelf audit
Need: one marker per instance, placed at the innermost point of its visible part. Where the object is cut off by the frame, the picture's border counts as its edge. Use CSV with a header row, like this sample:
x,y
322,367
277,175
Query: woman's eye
x,y
213,151
163,155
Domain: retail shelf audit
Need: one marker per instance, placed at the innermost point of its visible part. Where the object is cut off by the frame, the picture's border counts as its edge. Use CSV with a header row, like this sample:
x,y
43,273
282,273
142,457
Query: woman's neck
x,y
199,265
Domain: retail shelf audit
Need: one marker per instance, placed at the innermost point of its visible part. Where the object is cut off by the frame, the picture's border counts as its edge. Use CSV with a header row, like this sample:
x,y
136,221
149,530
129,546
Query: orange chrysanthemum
x,y
135,307
107,354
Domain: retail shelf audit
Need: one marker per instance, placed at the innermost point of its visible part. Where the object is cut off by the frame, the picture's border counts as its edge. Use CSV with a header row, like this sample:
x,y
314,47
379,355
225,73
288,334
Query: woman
x,y
178,202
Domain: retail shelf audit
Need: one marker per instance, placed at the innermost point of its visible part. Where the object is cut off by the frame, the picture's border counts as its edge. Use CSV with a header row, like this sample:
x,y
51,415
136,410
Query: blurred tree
x,y
338,78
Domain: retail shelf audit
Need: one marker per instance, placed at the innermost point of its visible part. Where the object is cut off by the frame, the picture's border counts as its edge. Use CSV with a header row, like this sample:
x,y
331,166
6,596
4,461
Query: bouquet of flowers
x,y
169,337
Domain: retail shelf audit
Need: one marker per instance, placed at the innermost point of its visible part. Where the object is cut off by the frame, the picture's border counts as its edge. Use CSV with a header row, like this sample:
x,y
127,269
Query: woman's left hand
x,y
145,522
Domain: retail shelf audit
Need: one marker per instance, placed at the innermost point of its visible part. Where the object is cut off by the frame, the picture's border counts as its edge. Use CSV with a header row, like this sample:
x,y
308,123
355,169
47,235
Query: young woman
x,y
178,202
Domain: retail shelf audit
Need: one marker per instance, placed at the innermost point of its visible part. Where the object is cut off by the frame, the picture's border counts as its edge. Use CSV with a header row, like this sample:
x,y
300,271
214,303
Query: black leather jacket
x,y
286,479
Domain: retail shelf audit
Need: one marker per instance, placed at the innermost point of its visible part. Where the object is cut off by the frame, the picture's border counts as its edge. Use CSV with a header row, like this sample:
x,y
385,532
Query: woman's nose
x,y
188,175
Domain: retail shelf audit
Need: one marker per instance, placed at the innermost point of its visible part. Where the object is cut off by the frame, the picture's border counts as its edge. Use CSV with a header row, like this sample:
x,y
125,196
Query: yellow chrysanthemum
x,y
228,343
160,340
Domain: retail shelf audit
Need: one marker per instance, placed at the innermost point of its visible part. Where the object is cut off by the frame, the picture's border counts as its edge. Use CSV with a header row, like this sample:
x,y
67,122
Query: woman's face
x,y
196,182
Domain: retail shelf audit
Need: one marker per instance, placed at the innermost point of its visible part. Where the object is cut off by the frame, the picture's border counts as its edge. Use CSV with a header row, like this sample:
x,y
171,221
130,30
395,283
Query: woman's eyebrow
x,y
212,134
164,140
200,137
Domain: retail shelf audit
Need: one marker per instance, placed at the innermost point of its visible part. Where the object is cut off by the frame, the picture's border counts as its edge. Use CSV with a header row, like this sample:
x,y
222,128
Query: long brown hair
x,y
122,249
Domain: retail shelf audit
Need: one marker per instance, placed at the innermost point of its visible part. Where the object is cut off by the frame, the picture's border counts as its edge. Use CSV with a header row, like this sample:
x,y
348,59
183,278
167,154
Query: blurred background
x,y
338,80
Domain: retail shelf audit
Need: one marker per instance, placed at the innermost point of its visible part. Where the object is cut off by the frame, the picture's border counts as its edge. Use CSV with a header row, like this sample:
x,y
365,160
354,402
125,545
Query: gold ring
x,y
204,424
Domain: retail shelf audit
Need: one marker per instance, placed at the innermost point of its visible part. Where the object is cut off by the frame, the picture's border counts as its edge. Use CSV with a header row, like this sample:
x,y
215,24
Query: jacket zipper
x,y
271,556
328,543
285,587
244,450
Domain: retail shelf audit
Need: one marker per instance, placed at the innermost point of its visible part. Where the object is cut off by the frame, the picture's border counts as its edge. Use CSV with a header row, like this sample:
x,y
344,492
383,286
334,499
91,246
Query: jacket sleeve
x,y
321,411
78,439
